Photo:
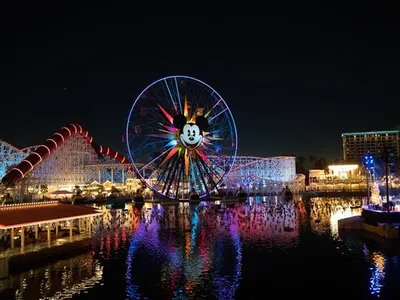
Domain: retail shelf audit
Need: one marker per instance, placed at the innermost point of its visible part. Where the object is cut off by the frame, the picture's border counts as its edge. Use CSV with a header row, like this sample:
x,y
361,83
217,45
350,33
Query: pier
x,y
31,231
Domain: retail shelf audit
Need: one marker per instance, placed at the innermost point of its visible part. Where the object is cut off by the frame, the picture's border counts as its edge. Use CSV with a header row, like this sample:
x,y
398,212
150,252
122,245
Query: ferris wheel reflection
x,y
191,256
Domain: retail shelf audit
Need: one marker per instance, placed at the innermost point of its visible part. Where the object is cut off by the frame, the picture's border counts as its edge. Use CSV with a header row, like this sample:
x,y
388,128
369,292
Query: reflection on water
x,y
196,251
378,262
59,280
326,211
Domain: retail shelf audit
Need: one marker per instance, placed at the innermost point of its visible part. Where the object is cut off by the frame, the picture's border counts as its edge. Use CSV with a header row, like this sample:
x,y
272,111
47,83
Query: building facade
x,y
358,144
338,178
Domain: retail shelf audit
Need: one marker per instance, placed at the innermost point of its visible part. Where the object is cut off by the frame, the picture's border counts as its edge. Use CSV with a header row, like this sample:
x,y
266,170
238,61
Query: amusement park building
x,y
265,175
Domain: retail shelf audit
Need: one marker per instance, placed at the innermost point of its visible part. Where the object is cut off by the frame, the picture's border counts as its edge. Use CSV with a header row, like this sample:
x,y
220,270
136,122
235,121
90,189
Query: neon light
x,y
167,115
29,163
53,142
80,128
178,94
70,133
116,154
91,139
170,154
60,135
186,111
123,160
172,99
108,151
33,152
22,173
101,149
87,133
46,148
139,171
76,130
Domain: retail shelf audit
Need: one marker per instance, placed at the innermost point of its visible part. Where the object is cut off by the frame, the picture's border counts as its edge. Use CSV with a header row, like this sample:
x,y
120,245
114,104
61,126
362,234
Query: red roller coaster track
x,y
43,151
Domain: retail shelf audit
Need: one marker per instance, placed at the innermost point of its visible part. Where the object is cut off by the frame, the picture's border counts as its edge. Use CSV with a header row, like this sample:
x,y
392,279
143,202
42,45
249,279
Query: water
x,y
264,248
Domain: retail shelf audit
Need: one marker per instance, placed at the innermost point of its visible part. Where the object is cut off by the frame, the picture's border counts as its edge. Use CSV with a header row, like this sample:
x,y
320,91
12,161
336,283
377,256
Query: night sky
x,y
295,77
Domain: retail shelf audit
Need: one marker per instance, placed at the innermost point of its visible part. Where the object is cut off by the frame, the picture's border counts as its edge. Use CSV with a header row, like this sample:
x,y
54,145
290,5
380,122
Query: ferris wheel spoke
x,y
202,177
211,170
179,129
159,156
168,175
215,116
173,178
205,167
181,171
215,105
178,95
170,95
160,177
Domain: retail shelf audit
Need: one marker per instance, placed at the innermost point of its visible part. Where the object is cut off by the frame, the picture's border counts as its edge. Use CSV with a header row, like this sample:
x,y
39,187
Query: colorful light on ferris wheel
x,y
177,117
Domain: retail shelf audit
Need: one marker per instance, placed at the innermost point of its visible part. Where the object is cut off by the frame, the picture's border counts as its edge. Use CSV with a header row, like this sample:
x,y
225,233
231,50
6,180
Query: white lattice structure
x,y
10,156
66,164
265,175
64,161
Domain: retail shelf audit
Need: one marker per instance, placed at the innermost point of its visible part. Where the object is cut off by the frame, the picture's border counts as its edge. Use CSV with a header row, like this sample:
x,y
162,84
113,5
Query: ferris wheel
x,y
181,137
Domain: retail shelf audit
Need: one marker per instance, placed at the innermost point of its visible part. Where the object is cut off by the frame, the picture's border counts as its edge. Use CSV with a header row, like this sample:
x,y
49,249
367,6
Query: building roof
x,y
371,132
12,216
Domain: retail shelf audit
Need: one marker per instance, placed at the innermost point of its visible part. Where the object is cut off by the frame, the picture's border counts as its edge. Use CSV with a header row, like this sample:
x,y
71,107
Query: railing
x,y
27,204
338,190
43,245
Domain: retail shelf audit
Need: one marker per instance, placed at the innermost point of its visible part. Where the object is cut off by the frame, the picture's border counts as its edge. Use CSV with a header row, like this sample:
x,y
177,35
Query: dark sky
x,y
295,77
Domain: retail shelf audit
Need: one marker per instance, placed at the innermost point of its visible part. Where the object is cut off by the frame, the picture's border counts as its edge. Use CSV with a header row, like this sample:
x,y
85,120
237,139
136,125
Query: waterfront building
x,y
358,144
338,177
27,220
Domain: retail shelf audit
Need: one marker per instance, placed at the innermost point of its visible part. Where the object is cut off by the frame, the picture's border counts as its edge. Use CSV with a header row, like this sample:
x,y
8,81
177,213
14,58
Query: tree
x,y
312,160
321,164
300,165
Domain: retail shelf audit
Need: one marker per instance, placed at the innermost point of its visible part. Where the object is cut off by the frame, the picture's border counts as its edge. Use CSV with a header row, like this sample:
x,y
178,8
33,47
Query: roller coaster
x,y
71,157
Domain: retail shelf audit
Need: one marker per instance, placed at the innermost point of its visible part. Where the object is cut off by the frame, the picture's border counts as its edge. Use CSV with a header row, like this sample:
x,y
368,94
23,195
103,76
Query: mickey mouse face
x,y
190,136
